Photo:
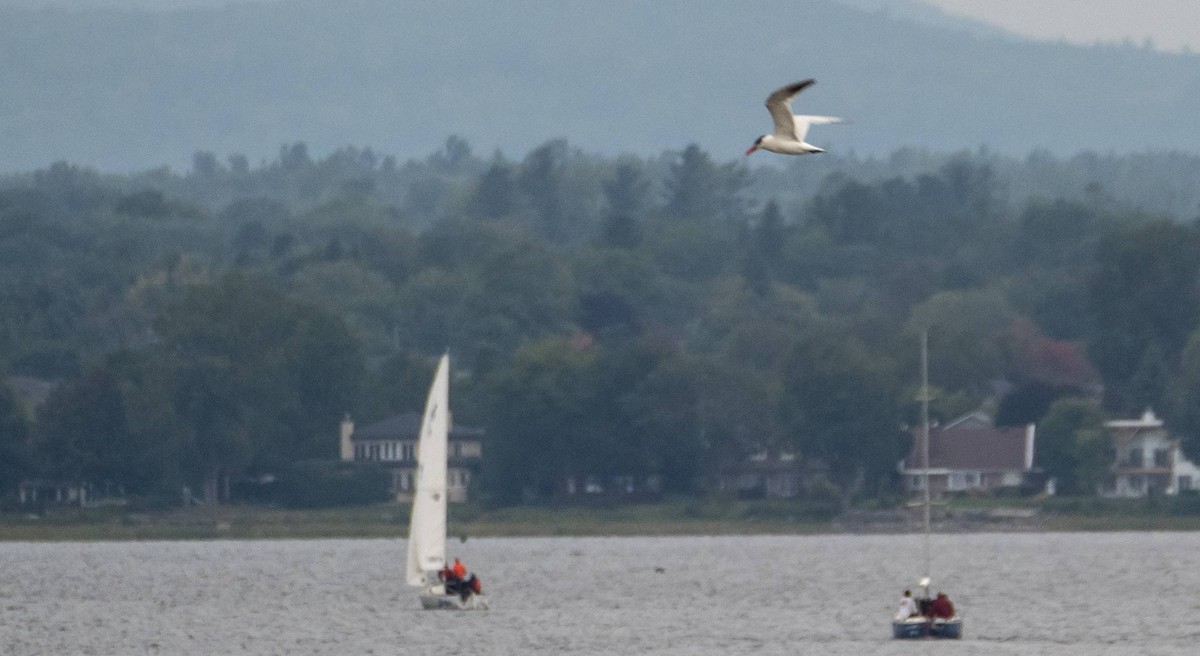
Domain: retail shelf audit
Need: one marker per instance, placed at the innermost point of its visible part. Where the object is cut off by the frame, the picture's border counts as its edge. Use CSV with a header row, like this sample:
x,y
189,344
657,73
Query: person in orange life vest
x,y
460,570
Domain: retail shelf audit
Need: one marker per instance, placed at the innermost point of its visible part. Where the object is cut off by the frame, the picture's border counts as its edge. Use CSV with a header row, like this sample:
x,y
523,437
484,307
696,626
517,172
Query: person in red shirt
x,y
941,608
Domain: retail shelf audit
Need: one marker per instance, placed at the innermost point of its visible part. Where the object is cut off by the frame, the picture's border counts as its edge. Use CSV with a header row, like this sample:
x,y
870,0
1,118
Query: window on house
x,y
1162,458
407,451
1135,458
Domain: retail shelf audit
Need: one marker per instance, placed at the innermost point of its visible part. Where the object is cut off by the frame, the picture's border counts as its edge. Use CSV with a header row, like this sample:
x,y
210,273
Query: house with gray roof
x,y
393,443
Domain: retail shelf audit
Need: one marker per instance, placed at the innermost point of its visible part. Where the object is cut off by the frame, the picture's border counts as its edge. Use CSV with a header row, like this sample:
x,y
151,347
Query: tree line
x,y
607,316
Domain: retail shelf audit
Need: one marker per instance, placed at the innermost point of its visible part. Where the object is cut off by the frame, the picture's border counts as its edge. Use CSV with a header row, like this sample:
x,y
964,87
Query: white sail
x,y
427,527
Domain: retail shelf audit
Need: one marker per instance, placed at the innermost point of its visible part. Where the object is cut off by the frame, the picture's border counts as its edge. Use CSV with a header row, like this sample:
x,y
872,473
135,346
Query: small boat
x,y
922,626
925,625
427,526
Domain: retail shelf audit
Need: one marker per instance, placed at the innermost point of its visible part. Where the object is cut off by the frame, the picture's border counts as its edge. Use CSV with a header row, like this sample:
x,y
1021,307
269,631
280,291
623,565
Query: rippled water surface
x,y
1127,593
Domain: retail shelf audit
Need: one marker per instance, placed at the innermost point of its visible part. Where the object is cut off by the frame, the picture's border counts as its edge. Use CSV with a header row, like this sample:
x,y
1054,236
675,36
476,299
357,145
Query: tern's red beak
x,y
751,149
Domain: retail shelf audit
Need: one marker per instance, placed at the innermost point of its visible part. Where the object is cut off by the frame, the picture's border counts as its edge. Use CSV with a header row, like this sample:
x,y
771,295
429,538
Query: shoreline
x,y
666,519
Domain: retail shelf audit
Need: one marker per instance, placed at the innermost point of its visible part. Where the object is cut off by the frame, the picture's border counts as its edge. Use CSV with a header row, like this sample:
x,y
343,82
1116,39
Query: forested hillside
x,y
605,315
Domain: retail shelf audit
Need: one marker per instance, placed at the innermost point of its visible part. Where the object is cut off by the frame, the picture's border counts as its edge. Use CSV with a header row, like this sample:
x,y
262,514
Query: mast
x,y
925,440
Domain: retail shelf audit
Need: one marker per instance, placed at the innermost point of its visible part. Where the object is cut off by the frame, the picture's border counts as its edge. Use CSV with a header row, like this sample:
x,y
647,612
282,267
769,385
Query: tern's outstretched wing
x,y
779,104
802,123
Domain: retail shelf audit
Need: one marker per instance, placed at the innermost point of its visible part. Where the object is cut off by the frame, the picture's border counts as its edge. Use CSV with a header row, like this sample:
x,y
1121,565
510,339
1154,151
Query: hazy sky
x,y
1171,24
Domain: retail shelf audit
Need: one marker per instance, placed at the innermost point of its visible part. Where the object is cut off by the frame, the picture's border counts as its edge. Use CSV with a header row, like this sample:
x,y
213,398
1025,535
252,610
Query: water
x,y
1061,594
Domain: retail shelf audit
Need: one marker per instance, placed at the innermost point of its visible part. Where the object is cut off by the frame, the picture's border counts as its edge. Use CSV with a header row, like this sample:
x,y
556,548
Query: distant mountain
x,y
126,89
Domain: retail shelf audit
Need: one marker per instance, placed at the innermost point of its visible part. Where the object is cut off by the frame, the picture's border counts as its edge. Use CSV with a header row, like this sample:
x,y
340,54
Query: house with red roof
x,y
970,454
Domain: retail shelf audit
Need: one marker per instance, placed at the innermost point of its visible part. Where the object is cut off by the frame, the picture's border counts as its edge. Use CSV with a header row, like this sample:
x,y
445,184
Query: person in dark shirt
x,y
451,579
941,608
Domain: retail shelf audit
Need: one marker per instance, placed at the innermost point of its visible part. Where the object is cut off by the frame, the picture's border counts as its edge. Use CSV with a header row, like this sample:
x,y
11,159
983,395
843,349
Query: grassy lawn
x,y
671,517
684,517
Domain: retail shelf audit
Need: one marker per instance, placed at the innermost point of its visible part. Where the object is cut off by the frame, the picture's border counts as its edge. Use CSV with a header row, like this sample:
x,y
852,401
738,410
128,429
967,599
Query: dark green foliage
x,y
84,435
842,405
1144,301
15,450
1028,403
1070,446
149,204
698,190
627,317
628,192
256,379
1183,409
329,484
495,195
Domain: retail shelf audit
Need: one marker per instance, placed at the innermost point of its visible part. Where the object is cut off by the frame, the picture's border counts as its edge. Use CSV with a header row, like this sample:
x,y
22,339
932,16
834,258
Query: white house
x,y
1148,460
393,443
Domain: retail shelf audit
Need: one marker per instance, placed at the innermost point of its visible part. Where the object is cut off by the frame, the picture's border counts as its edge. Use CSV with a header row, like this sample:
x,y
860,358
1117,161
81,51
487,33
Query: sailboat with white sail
x,y
927,623
426,563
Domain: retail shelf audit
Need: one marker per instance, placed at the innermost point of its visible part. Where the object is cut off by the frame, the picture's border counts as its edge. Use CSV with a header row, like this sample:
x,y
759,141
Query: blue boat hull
x,y
921,628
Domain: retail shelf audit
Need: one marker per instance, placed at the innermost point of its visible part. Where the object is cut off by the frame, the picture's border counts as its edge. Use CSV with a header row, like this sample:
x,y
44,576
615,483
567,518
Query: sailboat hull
x,y
920,627
431,601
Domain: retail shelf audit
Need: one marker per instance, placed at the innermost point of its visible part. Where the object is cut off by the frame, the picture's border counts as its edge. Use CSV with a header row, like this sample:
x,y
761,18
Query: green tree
x,y
1183,410
495,193
627,196
14,440
258,379
1069,445
541,177
85,438
1145,295
762,250
398,384
692,413
699,190
538,420
840,404
523,291
969,328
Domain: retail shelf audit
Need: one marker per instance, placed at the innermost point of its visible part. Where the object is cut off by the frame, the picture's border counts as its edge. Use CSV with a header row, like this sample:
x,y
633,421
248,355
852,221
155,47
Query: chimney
x,y
346,449
1029,435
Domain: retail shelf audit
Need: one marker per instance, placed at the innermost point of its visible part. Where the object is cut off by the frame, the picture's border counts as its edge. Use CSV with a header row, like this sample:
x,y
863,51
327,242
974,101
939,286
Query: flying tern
x,y
788,138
